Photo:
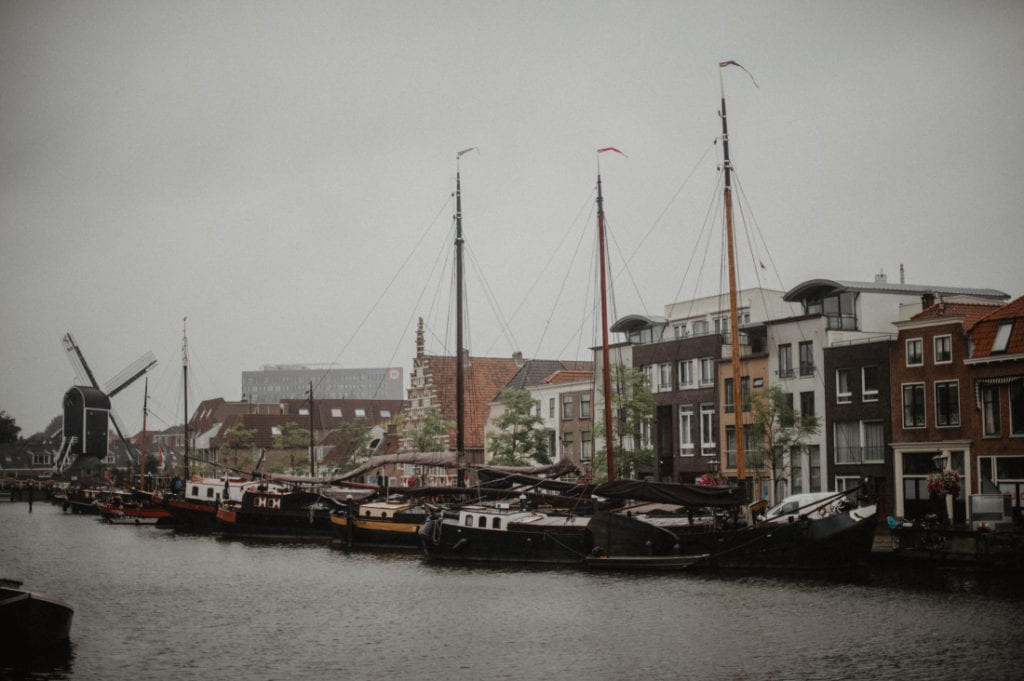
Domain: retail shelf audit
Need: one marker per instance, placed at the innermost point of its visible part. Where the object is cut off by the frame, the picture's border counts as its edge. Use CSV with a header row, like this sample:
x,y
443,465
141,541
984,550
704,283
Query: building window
x,y
913,405
707,430
686,379
786,360
869,383
700,327
686,430
336,413
648,374
947,404
567,444
385,413
730,401
664,377
707,372
551,407
847,442
990,410
806,349
303,411
752,457
584,405
1017,408
567,406
586,446
679,330
943,349
915,352
360,413
1002,340
874,442
807,403
844,393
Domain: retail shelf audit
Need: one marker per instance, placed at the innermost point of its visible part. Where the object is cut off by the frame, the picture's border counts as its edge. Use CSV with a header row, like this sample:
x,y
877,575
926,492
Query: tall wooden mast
x,y
737,390
142,455
606,368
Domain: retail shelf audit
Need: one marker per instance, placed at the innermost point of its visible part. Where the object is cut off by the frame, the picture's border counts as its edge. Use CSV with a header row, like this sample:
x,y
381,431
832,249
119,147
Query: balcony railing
x,y
807,369
784,373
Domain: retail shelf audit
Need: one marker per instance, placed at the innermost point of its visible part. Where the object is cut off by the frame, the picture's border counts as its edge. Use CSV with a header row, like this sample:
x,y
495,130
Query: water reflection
x,y
52,663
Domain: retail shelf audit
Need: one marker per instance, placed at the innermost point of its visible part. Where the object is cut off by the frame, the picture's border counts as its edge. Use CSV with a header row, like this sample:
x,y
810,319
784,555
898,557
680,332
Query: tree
x,y
778,430
293,436
8,429
522,436
632,408
352,438
430,433
236,441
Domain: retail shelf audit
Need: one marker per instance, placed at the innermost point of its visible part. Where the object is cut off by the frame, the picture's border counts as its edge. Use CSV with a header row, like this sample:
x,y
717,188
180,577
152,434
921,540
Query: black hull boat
x,y
286,512
501,534
689,526
31,622
380,525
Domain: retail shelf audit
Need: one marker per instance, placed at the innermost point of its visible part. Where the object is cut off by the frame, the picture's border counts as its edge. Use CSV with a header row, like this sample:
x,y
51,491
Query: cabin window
x,y
496,524
469,521
209,492
367,513
482,522
195,491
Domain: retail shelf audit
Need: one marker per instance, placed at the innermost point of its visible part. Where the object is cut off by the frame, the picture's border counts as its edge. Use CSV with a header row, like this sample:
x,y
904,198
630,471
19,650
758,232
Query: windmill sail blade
x,y
82,372
129,374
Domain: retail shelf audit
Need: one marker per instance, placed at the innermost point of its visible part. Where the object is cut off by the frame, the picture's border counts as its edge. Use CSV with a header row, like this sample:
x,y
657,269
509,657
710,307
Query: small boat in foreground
x,y
129,510
30,622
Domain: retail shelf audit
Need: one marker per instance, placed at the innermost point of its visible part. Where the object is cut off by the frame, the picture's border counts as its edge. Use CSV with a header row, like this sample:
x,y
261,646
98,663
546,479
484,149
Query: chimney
x,y
927,300
880,278
902,280
517,357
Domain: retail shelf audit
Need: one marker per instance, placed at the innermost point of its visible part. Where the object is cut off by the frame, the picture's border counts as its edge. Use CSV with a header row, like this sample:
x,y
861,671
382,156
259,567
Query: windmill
x,y
87,406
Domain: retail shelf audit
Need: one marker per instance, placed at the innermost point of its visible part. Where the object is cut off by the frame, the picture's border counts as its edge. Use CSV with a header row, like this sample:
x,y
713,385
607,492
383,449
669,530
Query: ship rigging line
x,y
387,288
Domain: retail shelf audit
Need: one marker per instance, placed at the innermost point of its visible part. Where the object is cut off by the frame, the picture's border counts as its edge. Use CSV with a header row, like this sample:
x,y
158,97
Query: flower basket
x,y
946,482
708,480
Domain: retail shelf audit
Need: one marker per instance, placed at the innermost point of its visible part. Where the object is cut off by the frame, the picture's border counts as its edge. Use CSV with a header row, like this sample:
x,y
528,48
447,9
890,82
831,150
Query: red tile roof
x,y
984,331
484,378
569,377
971,312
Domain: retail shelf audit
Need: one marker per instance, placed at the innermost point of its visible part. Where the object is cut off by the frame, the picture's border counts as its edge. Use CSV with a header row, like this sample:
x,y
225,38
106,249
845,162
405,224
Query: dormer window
x,y
1002,340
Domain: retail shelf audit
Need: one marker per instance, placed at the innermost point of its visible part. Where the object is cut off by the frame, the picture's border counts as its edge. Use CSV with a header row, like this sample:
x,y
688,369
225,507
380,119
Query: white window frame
x,y
707,428
686,377
866,394
903,407
844,397
707,372
949,349
938,424
919,342
1002,339
686,430
665,377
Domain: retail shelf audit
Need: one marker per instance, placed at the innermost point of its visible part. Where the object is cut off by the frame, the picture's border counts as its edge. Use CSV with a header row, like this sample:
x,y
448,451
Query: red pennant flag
x,y
600,151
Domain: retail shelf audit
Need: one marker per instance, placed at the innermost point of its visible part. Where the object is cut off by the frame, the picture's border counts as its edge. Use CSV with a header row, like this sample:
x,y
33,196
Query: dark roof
x,y
537,371
635,322
816,288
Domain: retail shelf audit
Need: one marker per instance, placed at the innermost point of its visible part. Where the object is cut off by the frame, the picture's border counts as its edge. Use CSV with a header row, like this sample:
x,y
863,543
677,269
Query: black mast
x,y
606,373
460,390
184,374
312,456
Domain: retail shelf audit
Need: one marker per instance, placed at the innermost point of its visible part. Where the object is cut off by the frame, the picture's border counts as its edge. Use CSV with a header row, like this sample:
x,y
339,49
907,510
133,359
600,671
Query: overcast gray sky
x,y
268,168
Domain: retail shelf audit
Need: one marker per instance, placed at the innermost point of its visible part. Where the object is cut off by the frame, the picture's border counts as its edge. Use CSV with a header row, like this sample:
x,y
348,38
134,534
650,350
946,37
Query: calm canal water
x,y
154,604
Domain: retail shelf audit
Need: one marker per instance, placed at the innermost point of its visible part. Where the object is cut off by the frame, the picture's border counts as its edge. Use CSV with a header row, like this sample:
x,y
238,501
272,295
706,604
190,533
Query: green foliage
x,y
778,429
237,446
431,432
522,438
632,408
293,436
8,429
352,438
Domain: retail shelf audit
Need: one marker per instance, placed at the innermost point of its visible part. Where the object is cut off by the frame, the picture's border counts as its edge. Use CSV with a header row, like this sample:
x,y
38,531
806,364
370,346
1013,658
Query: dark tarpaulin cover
x,y
554,470
672,493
